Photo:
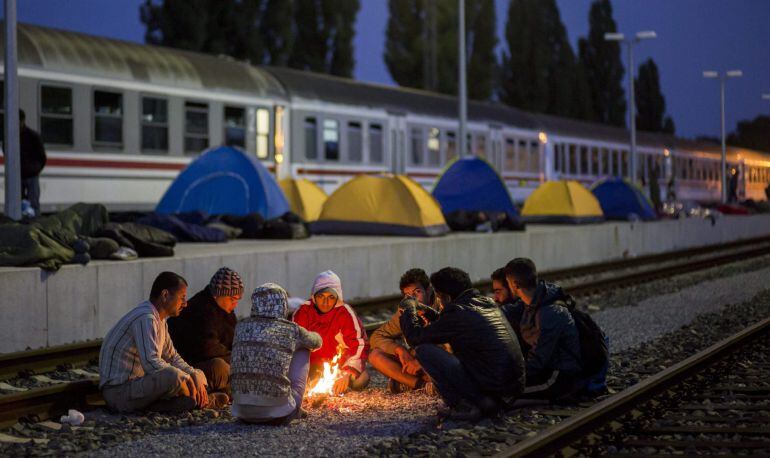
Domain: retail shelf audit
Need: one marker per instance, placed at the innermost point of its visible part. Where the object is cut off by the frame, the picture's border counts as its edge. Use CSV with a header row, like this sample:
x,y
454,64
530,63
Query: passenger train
x,y
120,120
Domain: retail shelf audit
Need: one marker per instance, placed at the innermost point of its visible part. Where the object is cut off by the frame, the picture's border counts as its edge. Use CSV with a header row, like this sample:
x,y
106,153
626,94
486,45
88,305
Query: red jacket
x,y
339,325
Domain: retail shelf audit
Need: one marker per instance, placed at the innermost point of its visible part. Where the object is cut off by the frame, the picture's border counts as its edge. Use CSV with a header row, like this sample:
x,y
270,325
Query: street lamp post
x,y
722,78
621,38
463,96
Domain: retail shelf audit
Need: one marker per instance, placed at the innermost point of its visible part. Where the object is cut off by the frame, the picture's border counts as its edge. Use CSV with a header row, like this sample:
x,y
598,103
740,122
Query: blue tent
x,y
472,184
622,200
225,180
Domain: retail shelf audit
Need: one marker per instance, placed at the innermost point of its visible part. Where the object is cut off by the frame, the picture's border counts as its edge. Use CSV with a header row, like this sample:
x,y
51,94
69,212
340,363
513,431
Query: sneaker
x,y
397,387
218,401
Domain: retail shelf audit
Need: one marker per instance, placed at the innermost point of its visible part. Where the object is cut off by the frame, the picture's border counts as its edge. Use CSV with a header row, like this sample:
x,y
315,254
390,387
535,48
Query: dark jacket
x,y
32,153
203,330
480,338
549,332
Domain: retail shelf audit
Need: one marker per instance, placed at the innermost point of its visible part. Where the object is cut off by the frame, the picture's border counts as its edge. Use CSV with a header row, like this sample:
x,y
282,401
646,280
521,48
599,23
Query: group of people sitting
x,y
446,338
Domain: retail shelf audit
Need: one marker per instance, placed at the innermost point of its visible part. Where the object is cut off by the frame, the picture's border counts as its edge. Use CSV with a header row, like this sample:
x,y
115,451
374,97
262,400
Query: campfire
x,y
323,387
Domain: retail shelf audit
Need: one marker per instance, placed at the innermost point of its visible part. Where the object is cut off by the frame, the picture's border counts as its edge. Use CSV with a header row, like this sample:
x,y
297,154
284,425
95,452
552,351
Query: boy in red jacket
x,y
327,314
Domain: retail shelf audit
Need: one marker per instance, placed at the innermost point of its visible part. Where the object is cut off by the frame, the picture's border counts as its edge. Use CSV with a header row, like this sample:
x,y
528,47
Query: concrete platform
x,y
39,309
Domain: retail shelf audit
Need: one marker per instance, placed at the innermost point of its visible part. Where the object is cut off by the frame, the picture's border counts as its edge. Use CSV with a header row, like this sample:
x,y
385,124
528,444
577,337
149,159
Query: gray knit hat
x,y
270,301
226,282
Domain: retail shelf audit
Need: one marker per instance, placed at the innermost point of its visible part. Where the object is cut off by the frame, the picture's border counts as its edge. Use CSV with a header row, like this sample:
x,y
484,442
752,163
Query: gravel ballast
x,y
646,332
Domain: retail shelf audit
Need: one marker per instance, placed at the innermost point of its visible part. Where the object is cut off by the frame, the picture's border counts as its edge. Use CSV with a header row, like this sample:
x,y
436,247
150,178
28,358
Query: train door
x,y
397,143
496,148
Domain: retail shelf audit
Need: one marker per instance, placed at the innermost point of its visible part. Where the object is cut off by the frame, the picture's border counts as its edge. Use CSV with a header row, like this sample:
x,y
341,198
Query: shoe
x,y
173,406
430,389
218,401
397,387
461,412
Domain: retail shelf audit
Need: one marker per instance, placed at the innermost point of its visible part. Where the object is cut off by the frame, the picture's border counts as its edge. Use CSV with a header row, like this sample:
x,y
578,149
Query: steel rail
x,y
556,438
43,403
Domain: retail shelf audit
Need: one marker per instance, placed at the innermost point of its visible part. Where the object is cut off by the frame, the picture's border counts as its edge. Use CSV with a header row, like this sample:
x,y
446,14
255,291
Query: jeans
x,y
217,372
453,382
30,190
140,393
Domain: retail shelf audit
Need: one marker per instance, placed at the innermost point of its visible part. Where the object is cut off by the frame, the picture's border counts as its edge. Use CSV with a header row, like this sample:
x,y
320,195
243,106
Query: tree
x,y
324,31
538,70
259,31
601,61
650,102
754,134
421,45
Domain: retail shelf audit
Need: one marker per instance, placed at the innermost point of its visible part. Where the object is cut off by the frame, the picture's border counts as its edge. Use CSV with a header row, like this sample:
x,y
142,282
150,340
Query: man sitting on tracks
x,y
552,345
327,314
390,354
138,365
270,360
203,332
486,367
500,289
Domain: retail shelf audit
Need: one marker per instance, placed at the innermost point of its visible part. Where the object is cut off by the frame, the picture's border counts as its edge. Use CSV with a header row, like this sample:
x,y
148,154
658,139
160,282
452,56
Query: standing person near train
x,y
390,353
33,159
341,330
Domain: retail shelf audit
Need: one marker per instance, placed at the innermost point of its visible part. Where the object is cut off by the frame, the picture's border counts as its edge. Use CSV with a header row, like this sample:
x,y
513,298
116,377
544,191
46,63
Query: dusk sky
x,y
693,35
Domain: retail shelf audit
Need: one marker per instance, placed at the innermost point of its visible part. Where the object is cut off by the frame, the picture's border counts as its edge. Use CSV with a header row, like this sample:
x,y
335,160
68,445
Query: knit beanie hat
x,y
226,282
328,280
269,300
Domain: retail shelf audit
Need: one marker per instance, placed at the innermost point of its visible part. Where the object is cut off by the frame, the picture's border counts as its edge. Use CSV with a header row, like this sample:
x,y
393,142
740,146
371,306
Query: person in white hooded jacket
x,y
270,360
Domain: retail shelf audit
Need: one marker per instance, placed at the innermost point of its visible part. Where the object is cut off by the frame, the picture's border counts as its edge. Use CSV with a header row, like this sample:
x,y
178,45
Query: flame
x,y
330,375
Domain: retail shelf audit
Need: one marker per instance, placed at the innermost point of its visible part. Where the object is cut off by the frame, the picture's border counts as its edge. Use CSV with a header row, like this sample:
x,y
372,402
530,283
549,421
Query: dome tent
x,y
221,181
384,205
472,184
562,202
622,200
306,198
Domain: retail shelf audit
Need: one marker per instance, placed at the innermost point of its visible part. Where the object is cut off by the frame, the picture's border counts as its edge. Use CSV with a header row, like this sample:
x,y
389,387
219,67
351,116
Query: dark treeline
x,y
315,35
537,71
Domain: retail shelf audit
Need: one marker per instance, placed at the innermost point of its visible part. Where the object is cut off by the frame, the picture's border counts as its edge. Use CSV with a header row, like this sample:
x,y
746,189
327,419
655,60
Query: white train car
x,y
120,120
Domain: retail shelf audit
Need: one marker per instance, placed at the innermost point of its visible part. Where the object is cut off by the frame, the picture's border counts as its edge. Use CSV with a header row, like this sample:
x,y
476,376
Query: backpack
x,y
594,351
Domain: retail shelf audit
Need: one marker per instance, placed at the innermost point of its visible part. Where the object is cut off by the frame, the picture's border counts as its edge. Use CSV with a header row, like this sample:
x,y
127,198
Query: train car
x,y
121,119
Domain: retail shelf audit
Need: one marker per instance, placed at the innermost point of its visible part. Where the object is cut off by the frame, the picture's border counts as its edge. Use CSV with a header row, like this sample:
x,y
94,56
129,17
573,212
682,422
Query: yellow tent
x,y
305,197
385,205
562,202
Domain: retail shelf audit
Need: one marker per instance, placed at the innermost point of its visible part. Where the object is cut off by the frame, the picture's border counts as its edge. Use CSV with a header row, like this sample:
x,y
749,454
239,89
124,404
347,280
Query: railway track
x,y
716,401
36,403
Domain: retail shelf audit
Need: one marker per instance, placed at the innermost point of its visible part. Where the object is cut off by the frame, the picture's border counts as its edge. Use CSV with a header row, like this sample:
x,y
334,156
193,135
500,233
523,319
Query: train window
x,y
375,143
572,164
154,124
311,139
196,127
263,133
510,155
451,146
594,160
56,115
481,146
434,146
2,112
534,156
557,159
355,142
235,126
624,163
331,140
606,159
417,146
280,137
108,118
522,154
584,167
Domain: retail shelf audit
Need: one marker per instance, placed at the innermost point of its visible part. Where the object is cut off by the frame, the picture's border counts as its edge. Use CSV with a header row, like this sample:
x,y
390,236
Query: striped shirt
x,y
138,344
